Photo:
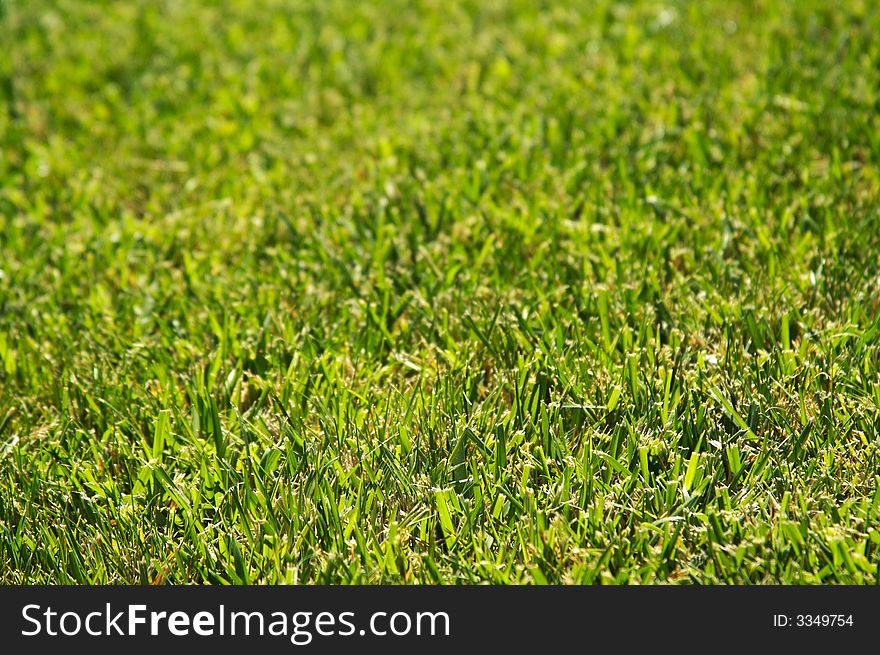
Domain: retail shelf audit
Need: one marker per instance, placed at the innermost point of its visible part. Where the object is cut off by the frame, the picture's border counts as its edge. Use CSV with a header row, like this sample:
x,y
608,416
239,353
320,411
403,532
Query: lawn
x,y
439,291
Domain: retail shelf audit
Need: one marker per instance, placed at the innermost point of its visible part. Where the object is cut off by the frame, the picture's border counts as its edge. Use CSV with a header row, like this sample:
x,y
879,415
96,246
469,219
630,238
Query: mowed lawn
x,y
439,291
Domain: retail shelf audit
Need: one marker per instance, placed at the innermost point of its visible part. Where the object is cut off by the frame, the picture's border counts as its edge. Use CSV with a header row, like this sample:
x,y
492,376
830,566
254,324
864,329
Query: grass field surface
x,y
439,291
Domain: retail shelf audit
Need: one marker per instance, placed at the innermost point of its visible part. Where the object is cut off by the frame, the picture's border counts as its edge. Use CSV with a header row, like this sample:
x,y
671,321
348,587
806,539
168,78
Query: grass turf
x,y
439,291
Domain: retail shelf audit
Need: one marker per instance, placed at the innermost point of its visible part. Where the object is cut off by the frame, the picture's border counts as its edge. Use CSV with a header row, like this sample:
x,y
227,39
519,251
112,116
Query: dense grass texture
x,y
439,291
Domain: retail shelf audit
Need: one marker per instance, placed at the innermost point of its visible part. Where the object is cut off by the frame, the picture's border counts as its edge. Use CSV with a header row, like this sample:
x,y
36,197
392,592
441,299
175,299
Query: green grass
x,y
509,292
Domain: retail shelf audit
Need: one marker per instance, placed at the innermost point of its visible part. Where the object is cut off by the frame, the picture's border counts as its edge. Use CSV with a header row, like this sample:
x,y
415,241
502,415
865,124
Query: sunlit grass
x,y
437,291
